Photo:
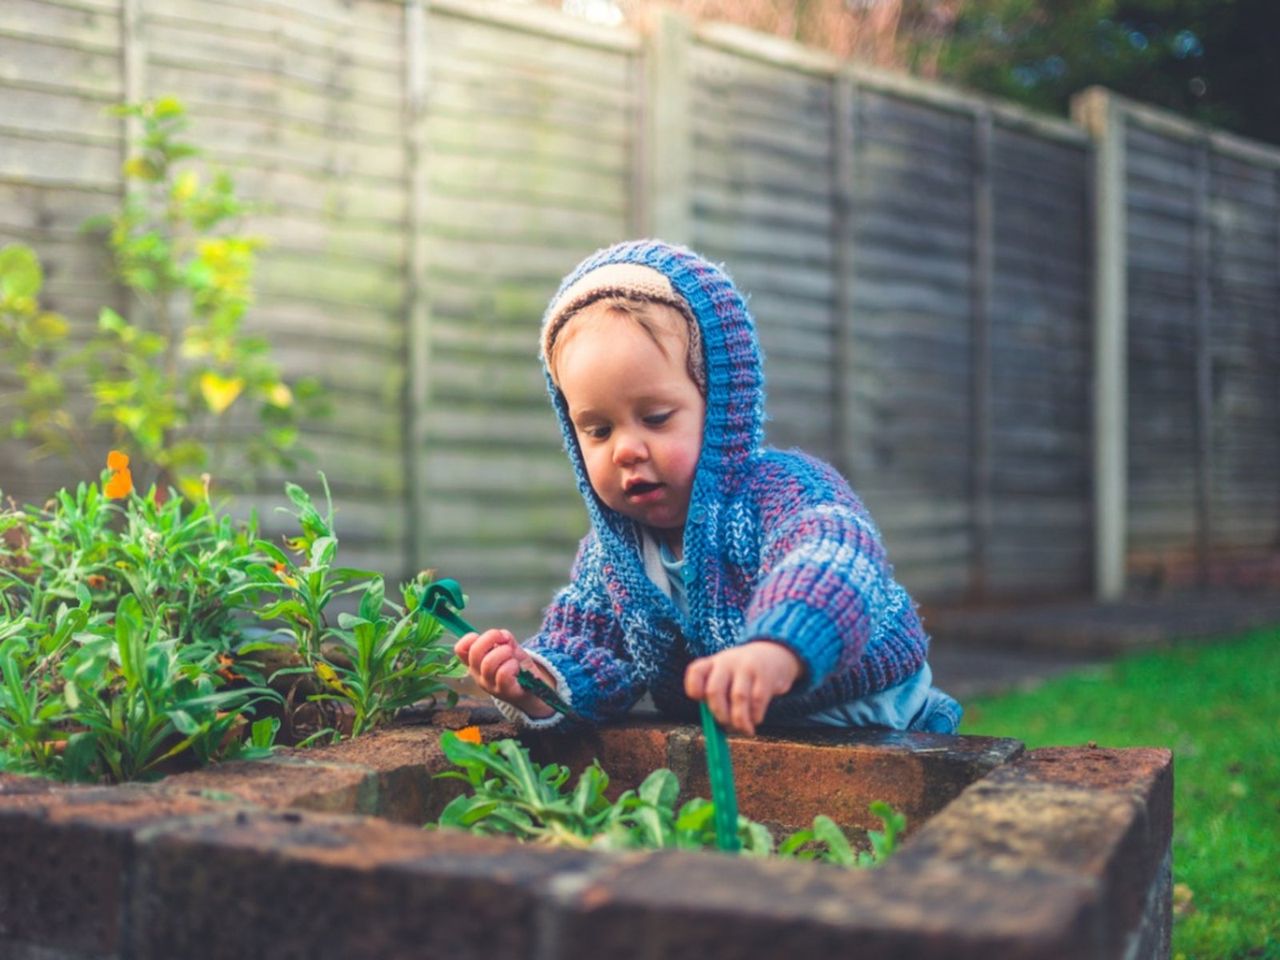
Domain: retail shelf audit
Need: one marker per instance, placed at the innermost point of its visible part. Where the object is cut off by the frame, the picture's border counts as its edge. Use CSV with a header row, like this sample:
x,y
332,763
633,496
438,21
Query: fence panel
x,y
530,165
1162,347
1041,531
911,370
1244,219
302,103
764,204
60,71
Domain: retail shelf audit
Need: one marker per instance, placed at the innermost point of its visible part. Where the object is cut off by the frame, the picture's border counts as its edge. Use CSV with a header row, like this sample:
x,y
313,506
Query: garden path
x,y
980,651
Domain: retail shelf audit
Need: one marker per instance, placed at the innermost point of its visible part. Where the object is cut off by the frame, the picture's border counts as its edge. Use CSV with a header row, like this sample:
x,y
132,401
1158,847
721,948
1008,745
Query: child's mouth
x,y
640,488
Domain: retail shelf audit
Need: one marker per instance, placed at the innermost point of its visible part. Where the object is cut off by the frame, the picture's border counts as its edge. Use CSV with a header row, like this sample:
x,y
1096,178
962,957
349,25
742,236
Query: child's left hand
x,y
739,683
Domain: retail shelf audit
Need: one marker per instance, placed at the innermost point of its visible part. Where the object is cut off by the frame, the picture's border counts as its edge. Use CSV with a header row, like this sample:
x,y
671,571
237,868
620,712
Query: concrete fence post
x,y
667,131
417,305
1097,110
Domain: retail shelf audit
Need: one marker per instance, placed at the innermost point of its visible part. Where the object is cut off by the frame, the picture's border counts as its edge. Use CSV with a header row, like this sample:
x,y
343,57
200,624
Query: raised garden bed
x,y
1061,852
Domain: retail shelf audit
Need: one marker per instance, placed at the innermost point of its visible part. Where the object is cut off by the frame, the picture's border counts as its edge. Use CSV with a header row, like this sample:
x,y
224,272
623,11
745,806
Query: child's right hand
x,y
493,659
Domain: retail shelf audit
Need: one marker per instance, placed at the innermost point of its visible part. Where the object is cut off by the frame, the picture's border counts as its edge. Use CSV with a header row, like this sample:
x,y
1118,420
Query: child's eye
x,y
596,432
657,419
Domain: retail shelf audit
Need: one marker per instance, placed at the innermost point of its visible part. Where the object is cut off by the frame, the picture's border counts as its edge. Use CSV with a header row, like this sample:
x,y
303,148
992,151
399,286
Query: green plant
x,y
513,795
131,635
115,638
378,660
29,339
166,379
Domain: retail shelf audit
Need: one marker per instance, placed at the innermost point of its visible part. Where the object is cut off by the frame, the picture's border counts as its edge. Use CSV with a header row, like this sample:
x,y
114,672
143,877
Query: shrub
x,y
167,379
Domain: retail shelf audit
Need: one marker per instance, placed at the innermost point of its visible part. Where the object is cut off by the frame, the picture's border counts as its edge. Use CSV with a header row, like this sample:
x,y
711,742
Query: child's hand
x,y
739,683
493,659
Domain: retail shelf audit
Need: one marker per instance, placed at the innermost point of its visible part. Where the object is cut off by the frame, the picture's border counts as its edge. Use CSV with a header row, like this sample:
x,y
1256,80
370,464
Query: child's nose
x,y
628,448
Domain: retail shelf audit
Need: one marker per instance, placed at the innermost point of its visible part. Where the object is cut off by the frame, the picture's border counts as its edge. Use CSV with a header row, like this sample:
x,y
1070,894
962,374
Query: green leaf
x,y
660,788
111,321
184,722
20,271
826,831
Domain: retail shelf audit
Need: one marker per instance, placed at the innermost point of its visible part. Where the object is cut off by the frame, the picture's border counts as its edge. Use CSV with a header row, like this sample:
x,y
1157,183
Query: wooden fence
x,y
921,265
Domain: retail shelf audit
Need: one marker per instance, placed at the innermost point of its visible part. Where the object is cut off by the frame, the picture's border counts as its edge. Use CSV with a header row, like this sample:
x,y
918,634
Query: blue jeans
x,y
914,704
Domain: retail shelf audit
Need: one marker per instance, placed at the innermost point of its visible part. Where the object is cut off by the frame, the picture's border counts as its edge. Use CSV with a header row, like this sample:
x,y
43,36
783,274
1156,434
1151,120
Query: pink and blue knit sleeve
x,y
582,639
824,582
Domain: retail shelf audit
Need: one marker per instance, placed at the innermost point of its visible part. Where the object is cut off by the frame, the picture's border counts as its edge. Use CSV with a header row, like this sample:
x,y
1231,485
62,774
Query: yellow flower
x,y
280,396
219,392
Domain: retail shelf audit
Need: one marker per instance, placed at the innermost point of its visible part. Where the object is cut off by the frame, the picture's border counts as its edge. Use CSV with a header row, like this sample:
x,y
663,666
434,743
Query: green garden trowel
x,y
720,773
443,598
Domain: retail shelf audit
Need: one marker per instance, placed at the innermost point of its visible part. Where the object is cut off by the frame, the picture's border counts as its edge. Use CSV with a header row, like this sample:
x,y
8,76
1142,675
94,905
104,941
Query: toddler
x,y
715,569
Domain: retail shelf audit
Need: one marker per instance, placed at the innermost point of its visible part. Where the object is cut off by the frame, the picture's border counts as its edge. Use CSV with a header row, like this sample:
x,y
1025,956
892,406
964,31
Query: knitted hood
x,y
733,429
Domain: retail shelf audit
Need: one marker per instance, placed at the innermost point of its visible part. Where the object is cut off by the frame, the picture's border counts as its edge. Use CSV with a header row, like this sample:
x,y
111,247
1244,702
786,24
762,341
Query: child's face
x,y
638,418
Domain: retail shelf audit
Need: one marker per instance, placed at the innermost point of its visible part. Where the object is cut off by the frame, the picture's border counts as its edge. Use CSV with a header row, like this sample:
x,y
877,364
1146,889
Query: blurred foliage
x,y
170,379
1204,59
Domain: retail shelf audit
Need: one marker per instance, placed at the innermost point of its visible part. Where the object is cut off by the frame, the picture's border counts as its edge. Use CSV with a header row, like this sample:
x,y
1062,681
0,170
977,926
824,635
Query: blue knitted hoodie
x,y
776,545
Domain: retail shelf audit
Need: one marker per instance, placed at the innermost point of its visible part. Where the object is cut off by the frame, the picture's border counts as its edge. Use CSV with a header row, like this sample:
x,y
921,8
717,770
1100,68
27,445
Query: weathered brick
x,y
1096,816
627,752
685,906
286,782
406,760
788,781
312,887
65,856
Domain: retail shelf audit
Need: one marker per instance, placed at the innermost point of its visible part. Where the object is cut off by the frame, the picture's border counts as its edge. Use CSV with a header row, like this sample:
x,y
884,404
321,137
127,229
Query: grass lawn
x,y
1217,706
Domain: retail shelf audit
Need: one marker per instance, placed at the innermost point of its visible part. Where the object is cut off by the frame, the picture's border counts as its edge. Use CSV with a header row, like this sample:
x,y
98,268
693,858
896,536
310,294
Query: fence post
x,y
844,132
980,331
1202,265
417,304
668,132
1098,111
133,67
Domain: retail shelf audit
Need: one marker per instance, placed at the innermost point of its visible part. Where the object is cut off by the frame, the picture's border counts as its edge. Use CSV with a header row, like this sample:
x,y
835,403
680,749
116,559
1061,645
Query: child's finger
x,y
695,678
716,691
494,659
464,644
741,702
504,680
480,647
760,697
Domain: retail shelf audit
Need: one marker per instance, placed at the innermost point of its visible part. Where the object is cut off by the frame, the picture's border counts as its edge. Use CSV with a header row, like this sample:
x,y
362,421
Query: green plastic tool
x,y
720,773
440,600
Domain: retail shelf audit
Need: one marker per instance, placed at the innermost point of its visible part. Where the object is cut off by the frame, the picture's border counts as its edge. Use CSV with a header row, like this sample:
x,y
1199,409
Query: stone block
x,y
65,856
286,885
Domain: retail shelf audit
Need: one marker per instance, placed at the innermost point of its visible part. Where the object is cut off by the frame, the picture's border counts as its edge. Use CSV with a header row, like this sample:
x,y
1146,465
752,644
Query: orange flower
x,y
469,735
96,581
279,570
120,483
225,663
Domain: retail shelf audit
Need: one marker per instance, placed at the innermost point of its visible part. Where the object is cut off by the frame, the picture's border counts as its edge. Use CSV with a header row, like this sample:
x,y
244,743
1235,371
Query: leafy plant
x,y
30,337
513,795
166,379
131,634
378,660
115,638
